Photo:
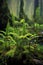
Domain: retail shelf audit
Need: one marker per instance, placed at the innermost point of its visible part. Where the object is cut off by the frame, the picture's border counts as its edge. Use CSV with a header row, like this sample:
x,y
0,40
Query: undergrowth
x,y
16,42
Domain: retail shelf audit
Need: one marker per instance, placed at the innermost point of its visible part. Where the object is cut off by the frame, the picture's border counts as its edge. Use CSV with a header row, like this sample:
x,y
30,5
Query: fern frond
x,y
14,34
3,32
9,38
1,41
2,36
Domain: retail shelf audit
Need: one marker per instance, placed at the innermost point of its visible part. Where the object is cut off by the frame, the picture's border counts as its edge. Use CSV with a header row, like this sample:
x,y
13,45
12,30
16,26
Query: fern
x,y
2,36
11,52
3,32
7,28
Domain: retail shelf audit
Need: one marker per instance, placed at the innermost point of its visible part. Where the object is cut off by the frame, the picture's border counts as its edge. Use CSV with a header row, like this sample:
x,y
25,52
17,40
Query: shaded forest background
x,y
5,14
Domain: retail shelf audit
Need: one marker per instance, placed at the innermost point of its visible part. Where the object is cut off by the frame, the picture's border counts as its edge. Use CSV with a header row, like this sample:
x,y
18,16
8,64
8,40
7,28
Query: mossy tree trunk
x,y
22,14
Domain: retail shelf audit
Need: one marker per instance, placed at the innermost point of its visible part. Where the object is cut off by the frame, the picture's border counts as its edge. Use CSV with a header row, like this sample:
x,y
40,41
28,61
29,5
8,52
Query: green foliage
x,y
38,17
20,41
17,40
38,12
10,53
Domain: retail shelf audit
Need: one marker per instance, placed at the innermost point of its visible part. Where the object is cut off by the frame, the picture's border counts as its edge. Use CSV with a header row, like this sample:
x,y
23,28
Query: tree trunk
x,y
4,14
